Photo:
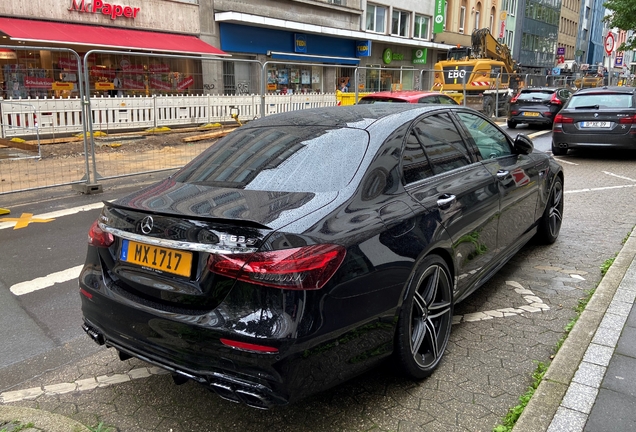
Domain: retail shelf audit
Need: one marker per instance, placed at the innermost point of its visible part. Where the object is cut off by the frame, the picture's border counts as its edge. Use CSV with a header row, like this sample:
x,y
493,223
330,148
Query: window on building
x,y
491,25
510,35
477,19
421,27
462,18
229,81
376,18
400,23
512,7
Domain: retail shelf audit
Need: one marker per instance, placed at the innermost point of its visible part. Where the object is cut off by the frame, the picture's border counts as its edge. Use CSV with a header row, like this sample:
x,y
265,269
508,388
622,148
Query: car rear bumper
x,y
531,120
566,140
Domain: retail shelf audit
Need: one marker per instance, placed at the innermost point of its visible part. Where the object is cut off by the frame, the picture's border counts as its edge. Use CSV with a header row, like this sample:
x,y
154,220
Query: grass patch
x,y
15,426
100,427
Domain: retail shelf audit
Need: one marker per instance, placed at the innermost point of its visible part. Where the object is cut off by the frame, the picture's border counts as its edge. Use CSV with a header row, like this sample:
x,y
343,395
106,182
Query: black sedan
x,y
537,105
601,117
305,247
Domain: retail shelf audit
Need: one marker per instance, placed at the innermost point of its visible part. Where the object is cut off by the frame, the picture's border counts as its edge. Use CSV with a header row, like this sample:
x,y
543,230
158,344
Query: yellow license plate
x,y
157,258
531,114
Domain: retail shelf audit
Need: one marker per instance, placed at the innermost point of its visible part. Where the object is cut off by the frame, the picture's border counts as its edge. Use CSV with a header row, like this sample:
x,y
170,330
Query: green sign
x,y
438,18
387,56
419,56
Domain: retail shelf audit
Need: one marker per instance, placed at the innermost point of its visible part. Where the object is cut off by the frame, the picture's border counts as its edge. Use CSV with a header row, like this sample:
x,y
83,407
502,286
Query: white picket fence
x,y
20,117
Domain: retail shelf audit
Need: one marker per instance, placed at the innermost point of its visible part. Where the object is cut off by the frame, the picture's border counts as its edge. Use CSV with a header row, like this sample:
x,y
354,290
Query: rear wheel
x,y
511,124
550,223
558,151
425,320
489,106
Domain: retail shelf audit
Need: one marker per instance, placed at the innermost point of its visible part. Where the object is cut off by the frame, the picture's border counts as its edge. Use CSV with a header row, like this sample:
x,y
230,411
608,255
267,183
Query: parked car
x,y
601,117
537,105
408,96
306,247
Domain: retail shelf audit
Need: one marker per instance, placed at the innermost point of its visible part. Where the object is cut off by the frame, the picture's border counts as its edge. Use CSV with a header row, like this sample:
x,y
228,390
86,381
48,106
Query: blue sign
x,y
363,48
556,71
300,43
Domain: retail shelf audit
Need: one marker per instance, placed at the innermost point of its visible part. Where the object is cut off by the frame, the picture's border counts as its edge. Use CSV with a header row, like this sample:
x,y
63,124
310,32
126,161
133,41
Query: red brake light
x,y
555,100
627,120
304,268
562,119
99,238
514,99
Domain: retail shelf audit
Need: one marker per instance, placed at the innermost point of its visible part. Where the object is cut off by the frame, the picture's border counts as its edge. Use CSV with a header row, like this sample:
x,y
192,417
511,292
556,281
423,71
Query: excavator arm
x,y
485,46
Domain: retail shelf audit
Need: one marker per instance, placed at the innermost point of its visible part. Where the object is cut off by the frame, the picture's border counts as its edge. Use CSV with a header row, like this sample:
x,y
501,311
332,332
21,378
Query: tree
x,y
621,15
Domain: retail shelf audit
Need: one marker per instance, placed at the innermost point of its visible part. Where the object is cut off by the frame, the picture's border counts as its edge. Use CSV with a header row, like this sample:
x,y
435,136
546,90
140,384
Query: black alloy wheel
x,y
425,320
550,224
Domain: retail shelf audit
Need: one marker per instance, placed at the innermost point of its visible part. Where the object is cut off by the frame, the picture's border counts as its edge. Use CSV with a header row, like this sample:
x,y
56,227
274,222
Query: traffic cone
x,y
4,211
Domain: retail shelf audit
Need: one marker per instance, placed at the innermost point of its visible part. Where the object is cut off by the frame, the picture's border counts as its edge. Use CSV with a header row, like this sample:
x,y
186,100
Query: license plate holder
x,y
596,124
158,258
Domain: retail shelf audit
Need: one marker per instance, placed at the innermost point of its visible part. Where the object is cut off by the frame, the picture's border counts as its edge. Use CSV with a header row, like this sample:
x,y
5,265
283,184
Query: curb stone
x,y
42,420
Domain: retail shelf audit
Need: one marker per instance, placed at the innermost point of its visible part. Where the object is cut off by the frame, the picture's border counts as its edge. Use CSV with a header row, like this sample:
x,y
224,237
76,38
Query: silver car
x,y
601,117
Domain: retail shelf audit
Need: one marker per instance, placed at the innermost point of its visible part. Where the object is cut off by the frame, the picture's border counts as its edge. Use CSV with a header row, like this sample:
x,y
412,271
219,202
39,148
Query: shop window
x,y
228,78
291,79
421,27
376,18
400,23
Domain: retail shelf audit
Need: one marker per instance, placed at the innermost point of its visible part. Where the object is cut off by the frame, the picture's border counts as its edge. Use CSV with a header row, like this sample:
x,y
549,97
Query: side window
x,y
446,100
491,142
415,165
441,141
428,100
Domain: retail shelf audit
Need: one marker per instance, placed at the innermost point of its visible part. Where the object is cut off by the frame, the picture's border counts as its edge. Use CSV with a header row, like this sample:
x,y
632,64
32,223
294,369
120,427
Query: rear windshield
x,y
602,100
535,95
282,158
370,100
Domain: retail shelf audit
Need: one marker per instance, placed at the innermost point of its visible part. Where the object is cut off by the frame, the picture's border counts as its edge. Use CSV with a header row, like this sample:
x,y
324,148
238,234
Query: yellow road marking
x,y
4,211
24,220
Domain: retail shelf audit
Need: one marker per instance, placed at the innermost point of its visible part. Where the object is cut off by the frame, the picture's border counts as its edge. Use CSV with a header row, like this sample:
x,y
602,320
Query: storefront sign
x,y
300,43
132,69
159,68
159,84
130,84
104,86
185,83
57,85
388,56
67,64
363,48
33,82
100,6
438,24
419,56
502,27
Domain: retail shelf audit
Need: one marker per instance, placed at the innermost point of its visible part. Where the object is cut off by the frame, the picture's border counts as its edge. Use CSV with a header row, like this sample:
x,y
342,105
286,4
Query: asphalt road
x,y
490,358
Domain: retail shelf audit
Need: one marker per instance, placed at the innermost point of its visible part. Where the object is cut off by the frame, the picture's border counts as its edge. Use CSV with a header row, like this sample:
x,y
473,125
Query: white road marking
x,y
57,214
599,189
619,176
566,162
46,281
536,134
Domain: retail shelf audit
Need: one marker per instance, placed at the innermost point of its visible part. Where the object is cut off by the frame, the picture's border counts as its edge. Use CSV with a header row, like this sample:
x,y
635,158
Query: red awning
x,y
104,37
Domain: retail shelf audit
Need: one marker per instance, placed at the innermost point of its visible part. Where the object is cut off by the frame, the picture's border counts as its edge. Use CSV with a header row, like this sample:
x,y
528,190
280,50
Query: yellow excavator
x,y
485,73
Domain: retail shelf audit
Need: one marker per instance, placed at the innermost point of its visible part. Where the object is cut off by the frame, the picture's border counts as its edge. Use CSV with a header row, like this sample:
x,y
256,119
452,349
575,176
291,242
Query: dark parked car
x,y
408,96
601,117
537,106
305,247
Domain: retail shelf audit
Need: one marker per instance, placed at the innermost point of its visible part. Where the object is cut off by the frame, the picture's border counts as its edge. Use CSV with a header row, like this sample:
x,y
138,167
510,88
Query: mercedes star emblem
x,y
146,225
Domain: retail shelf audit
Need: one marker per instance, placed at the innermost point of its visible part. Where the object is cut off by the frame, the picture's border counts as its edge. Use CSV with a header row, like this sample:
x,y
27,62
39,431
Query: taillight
x,y
244,346
563,119
554,100
99,238
304,268
627,120
514,99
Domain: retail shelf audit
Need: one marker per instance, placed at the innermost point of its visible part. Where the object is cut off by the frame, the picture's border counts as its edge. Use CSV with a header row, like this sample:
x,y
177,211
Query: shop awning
x,y
103,37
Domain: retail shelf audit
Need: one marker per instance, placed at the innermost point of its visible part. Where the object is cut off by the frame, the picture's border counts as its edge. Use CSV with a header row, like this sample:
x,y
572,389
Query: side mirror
x,y
523,144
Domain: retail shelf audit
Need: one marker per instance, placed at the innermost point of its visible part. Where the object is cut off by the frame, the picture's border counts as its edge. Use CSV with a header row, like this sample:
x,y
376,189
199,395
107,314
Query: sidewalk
x,y
591,383
589,386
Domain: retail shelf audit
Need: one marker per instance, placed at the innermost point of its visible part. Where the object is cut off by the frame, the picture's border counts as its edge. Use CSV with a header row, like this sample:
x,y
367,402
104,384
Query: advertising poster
x,y
283,77
294,76
305,76
272,76
315,75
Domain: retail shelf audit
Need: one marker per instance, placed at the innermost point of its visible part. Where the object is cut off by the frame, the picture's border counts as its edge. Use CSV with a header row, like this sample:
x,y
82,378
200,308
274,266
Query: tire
x,y
489,106
511,124
425,320
550,223
558,151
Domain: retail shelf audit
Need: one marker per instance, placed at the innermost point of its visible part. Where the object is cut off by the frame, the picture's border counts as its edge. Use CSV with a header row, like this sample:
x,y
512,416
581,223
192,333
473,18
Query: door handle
x,y
502,174
445,201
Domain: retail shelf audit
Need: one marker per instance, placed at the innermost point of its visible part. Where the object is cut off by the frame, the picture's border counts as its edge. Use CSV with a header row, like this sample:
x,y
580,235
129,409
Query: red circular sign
x,y
609,43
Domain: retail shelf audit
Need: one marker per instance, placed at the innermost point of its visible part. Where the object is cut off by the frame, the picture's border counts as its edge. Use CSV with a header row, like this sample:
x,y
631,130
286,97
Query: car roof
x,y
358,116
606,89
408,95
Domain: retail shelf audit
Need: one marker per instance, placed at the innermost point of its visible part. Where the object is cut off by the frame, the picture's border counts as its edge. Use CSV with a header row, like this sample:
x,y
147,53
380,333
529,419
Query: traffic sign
x,y
609,43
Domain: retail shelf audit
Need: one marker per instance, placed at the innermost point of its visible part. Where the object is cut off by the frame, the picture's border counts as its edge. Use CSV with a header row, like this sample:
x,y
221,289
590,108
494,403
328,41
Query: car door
x,y
517,177
455,192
